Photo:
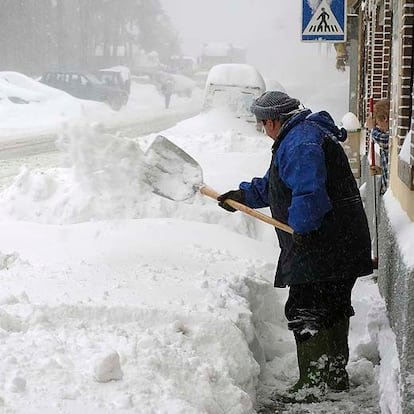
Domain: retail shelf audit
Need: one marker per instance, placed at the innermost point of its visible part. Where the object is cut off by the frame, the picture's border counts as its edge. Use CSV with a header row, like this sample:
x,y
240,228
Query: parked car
x,y
20,89
235,86
85,85
117,77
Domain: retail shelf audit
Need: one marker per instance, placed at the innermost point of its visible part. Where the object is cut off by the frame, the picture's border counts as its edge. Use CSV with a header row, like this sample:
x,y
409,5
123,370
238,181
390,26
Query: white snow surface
x,y
405,153
350,122
116,300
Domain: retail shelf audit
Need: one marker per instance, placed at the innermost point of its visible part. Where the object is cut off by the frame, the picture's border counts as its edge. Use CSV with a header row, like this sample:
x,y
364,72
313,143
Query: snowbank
x,y
181,329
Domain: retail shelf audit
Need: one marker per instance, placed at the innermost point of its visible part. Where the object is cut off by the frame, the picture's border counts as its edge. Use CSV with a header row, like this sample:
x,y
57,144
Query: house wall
x,y
386,71
396,284
399,188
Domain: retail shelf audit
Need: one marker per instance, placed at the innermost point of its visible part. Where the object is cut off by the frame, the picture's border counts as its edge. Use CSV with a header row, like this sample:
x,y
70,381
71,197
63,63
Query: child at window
x,y
379,125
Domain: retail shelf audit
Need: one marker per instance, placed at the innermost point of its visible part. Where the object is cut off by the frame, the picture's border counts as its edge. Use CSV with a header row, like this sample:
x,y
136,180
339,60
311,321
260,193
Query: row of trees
x,y
38,34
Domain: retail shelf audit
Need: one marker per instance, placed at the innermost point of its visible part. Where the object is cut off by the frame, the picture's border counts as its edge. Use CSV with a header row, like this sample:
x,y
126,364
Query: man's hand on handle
x,y
236,195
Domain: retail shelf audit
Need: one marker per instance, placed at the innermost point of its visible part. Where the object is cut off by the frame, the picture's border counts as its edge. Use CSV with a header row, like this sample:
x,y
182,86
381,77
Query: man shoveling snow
x,y
310,187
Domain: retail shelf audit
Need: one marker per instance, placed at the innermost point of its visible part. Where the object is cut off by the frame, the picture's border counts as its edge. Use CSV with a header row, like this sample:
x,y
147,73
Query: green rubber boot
x,y
313,361
338,379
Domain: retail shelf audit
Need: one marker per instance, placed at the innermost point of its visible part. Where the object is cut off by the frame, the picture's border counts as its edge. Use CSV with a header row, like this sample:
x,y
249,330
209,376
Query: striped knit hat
x,y
273,104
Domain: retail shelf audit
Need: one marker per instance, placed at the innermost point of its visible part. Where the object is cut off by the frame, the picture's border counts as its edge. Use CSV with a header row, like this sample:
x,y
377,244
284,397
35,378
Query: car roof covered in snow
x,y
236,74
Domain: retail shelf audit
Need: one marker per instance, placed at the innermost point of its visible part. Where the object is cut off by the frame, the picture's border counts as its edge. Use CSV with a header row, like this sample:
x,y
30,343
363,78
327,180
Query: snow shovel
x,y
174,174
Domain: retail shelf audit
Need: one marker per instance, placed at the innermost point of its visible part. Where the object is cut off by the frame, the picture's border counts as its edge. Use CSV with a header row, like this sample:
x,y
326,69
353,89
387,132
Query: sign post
x,y
324,21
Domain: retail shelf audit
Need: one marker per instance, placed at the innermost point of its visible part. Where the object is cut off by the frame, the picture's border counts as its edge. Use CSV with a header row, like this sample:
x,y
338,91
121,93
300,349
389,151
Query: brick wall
x,y
406,61
405,107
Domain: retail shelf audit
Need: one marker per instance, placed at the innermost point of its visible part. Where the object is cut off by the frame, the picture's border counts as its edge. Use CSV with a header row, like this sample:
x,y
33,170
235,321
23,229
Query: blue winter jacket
x,y
310,186
301,164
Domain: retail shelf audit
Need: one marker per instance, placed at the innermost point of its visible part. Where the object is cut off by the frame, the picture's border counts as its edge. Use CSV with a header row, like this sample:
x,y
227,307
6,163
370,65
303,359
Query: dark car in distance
x,y
85,85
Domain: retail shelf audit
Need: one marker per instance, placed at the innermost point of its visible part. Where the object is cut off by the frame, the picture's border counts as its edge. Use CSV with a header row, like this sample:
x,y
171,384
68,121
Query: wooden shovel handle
x,y
209,192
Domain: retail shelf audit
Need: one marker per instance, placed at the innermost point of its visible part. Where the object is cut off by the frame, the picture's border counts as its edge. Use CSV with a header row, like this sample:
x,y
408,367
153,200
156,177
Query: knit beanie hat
x,y
273,104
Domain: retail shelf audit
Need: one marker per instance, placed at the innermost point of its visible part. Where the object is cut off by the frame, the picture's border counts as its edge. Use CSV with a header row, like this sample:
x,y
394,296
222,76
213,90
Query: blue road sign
x,y
324,21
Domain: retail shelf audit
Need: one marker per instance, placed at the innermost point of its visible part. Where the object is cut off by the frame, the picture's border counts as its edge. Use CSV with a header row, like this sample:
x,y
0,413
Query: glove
x,y
236,195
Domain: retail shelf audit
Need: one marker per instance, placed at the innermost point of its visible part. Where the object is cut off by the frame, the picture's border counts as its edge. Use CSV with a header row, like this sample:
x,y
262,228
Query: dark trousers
x,y
315,306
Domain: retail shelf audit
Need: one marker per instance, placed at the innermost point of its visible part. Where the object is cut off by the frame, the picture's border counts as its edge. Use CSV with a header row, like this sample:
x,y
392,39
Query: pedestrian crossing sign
x,y
324,21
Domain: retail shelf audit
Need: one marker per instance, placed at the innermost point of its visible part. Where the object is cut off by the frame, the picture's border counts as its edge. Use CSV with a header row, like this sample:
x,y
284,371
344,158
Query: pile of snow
x,y
102,177
120,309
8,89
103,171
350,122
15,84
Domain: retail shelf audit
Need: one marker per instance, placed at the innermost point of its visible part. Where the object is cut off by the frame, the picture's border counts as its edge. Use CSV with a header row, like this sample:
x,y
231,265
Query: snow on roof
x,y
123,70
236,74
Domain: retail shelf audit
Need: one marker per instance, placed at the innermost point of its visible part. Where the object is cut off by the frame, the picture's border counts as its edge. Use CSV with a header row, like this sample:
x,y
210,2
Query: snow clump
x,y
108,367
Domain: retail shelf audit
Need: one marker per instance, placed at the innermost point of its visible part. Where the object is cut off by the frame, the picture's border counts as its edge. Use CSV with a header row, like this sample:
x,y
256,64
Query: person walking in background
x,y
167,86
378,123
310,187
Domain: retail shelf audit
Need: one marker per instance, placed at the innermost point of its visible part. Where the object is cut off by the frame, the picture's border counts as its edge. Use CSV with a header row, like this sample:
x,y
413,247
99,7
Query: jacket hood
x,y
326,122
323,119
296,117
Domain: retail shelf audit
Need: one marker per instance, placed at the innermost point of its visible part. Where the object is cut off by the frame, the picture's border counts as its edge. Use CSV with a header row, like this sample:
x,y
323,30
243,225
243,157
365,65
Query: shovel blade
x,y
170,171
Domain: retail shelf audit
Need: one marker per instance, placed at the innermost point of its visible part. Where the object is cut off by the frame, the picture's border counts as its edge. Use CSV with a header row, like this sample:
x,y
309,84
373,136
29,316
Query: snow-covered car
x,y
20,89
84,85
117,77
235,86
